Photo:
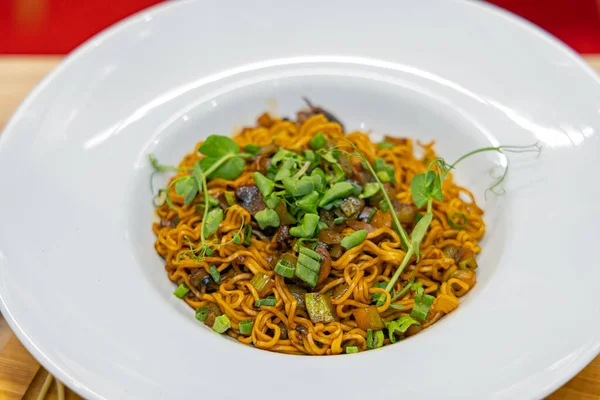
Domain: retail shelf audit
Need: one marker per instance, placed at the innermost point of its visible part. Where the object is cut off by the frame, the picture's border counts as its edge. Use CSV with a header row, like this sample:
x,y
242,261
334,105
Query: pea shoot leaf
x,y
419,232
187,188
426,186
230,169
213,220
218,146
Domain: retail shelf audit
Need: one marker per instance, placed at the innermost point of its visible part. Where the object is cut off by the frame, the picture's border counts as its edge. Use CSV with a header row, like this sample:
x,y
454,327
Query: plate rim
x,y
80,51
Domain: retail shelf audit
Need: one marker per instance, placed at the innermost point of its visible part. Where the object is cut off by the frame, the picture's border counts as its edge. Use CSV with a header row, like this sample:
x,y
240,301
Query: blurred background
x,y
58,26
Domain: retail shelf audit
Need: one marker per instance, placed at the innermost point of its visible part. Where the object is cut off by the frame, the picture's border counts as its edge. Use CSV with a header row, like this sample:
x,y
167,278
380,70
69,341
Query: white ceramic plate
x,y
79,279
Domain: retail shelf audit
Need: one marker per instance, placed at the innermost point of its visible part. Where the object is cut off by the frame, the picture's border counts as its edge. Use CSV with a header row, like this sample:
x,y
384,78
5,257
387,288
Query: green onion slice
x,y
462,224
181,291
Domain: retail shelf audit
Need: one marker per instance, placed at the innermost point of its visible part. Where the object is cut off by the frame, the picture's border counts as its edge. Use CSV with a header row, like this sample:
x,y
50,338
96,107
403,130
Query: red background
x,y
58,26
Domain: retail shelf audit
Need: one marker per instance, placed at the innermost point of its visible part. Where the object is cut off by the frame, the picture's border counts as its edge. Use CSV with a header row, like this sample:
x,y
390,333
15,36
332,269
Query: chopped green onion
x,y
248,235
351,349
267,218
309,202
454,225
307,227
310,253
181,291
269,302
281,155
214,273
286,170
383,206
371,189
202,313
299,187
309,263
318,141
222,323
322,225
265,185
337,191
354,239
379,164
399,325
237,239
285,268
272,201
209,252
383,176
422,304
374,339
385,145
306,274
252,149
339,220
357,190
310,156
246,327
319,179
230,198
379,298
371,215
338,174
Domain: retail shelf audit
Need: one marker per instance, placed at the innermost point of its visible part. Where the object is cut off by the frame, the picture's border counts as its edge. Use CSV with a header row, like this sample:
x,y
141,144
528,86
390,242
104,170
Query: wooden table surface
x,y
20,374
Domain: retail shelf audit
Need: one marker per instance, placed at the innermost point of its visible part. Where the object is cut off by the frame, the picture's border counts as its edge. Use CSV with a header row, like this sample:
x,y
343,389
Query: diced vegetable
x,y
181,291
351,206
229,198
382,220
385,145
269,302
246,327
319,308
329,236
445,303
325,258
354,239
262,283
208,314
285,218
406,212
336,251
221,324
466,276
351,349
374,339
299,294
368,318
340,290
285,266
468,263
360,225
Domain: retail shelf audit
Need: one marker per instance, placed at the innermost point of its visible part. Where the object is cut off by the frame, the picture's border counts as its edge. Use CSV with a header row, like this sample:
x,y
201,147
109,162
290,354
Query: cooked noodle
x,y
286,327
